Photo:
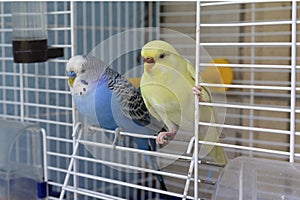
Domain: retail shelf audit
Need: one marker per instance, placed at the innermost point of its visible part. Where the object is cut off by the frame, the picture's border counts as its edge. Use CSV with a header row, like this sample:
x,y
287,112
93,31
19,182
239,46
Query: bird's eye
x,y
82,71
161,56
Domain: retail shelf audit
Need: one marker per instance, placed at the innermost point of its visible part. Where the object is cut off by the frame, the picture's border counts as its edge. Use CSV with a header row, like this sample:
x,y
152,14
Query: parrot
x,y
168,89
107,98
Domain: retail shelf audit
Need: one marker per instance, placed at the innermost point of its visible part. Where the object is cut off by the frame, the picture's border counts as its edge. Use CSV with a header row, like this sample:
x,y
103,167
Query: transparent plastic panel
x,y
9,131
260,179
20,160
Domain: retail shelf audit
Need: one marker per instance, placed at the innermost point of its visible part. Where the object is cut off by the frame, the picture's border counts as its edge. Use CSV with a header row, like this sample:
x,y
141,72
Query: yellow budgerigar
x,y
168,89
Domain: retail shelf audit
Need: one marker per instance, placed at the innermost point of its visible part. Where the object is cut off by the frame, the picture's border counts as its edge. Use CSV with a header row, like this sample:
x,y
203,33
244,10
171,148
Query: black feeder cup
x,y
29,33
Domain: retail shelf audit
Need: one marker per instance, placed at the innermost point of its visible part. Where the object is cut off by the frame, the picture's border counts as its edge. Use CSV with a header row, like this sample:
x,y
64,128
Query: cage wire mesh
x,y
260,41
257,38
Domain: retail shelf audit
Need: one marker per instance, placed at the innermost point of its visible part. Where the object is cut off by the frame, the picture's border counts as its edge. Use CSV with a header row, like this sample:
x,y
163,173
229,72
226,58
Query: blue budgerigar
x,y
107,98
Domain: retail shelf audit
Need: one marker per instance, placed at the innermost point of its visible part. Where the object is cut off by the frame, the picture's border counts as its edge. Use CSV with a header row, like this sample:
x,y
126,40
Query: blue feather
x,y
103,105
110,114
111,101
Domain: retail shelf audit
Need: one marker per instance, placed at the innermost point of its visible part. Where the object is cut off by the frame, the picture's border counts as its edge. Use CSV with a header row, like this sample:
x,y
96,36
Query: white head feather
x,y
85,71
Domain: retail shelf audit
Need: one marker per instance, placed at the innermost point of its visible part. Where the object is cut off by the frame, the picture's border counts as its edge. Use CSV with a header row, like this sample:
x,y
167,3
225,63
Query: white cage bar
x,y
258,38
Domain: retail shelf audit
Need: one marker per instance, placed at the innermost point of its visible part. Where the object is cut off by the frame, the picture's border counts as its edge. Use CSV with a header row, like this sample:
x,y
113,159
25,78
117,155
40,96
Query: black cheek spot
x,y
84,82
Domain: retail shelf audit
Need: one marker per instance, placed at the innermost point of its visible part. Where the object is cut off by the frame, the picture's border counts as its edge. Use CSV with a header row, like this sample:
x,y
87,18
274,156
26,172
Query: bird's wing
x,y
132,104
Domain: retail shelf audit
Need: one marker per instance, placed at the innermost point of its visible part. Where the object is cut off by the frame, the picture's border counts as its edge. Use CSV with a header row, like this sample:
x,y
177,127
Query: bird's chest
x,y
85,104
167,85
102,95
103,105
172,95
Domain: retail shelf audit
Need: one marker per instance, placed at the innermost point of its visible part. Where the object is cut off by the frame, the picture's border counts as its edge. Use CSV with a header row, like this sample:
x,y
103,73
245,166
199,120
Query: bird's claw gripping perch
x,y
197,90
117,134
164,137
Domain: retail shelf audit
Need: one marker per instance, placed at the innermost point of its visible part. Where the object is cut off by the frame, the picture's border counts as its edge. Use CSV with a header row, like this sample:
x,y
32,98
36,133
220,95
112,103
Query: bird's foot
x,y
117,134
164,137
197,90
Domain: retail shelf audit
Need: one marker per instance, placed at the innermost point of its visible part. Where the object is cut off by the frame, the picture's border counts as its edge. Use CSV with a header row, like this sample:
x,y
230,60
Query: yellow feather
x,y
166,87
135,81
217,74
71,81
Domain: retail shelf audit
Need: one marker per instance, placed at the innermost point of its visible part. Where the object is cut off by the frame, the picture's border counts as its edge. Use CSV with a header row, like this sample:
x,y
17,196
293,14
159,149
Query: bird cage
x,y
252,45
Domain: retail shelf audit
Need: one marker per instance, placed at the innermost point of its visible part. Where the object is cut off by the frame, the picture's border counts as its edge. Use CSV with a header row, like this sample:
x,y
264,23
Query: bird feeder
x,y
29,33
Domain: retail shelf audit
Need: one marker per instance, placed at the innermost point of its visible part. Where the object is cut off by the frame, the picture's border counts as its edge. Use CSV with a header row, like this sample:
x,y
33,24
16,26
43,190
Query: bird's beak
x,y
148,60
148,63
71,79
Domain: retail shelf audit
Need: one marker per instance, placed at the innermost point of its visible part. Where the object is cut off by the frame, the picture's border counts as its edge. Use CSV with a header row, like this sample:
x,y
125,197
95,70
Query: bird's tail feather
x,y
155,166
212,135
146,144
